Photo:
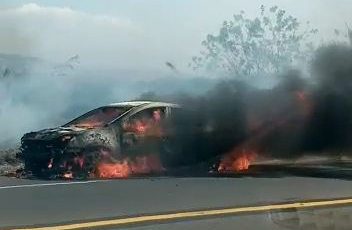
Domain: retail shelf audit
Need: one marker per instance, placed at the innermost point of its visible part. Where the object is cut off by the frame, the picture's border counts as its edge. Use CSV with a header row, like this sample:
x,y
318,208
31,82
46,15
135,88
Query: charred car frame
x,y
115,131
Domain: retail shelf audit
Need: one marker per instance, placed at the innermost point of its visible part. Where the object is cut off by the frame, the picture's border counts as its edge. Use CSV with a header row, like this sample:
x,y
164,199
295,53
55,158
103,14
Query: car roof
x,y
130,103
143,103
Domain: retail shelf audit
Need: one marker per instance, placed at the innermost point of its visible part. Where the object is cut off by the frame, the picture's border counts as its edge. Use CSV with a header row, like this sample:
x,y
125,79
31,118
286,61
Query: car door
x,y
142,131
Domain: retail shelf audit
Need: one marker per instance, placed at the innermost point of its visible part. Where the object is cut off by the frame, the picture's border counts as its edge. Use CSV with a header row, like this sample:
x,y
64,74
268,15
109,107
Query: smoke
x,y
37,94
330,125
300,115
32,99
234,114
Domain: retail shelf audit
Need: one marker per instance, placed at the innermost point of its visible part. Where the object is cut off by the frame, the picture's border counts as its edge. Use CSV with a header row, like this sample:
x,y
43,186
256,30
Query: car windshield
x,y
98,117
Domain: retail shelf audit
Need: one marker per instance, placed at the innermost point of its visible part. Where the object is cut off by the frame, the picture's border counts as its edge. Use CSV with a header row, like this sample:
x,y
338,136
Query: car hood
x,y
52,133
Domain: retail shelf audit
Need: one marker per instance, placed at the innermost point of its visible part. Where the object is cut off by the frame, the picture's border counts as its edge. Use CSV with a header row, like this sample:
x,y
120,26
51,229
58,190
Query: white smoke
x,y
31,100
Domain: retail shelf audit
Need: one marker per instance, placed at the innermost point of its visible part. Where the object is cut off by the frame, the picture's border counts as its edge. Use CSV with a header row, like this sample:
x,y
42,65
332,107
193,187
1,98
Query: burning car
x,y
112,141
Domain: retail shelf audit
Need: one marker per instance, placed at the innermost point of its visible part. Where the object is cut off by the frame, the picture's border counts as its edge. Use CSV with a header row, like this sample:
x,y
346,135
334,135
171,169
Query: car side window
x,y
151,113
140,121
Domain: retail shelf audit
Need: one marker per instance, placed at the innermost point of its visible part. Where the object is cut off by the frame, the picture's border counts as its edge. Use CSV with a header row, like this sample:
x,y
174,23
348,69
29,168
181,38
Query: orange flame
x,y
113,170
146,127
237,160
50,164
126,167
140,127
68,175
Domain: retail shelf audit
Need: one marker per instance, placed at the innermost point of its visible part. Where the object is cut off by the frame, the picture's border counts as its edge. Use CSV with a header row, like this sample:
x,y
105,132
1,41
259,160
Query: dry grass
x,y
8,162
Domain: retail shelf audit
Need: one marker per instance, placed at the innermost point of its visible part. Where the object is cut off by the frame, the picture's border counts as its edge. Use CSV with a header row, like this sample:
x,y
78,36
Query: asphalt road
x,y
34,202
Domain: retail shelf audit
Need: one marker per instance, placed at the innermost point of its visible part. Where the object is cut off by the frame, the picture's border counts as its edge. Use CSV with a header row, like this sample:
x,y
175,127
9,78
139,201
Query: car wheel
x,y
94,156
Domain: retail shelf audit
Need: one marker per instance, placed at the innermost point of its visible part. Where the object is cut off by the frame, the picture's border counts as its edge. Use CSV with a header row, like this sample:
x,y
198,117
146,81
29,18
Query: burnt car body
x,y
115,129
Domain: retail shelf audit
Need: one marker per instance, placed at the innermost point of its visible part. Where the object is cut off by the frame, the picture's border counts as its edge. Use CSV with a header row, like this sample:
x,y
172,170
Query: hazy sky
x,y
138,34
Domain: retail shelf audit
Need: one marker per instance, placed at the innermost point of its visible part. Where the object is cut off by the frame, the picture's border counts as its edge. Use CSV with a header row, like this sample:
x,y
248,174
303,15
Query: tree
x,y
264,45
342,37
68,66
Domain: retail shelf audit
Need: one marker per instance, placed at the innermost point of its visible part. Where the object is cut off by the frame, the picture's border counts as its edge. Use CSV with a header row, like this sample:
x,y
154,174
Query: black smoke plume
x,y
300,115
329,129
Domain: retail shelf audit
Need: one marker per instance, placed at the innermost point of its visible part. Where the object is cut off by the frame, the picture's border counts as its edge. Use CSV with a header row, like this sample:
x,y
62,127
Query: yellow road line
x,y
192,214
